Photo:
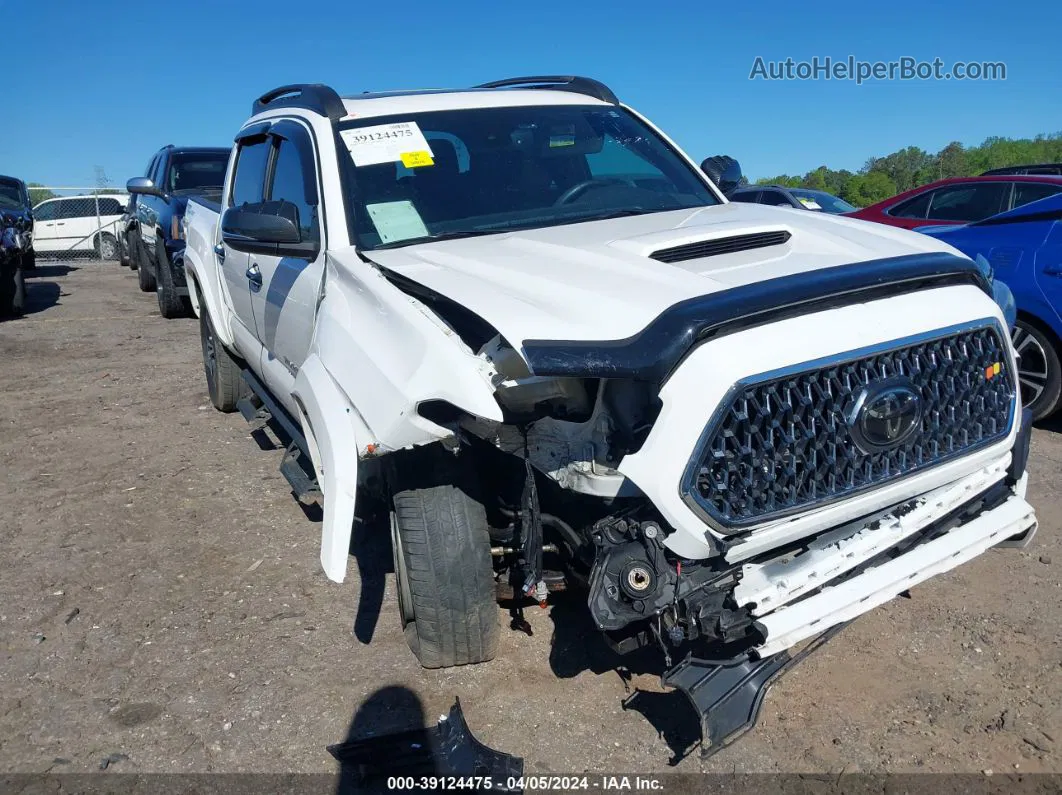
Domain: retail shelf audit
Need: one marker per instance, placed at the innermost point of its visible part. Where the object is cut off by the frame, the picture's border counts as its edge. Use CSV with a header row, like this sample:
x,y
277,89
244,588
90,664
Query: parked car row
x,y
152,231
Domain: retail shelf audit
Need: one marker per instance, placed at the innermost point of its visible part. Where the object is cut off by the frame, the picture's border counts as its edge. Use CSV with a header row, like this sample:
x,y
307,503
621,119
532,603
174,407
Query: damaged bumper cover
x,y
814,592
801,593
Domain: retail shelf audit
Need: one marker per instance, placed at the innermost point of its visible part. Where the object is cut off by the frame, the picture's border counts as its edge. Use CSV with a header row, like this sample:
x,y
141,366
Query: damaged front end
x,y
733,625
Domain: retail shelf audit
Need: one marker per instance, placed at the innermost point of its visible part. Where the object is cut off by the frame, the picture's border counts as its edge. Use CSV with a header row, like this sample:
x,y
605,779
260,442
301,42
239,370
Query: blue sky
x,y
105,84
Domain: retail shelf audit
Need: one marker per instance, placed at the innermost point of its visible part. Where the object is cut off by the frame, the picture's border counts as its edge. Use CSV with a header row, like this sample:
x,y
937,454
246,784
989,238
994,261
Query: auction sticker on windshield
x,y
385,143
396,221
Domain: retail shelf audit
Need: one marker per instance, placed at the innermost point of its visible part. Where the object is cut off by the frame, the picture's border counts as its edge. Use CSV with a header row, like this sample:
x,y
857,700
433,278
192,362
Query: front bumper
x,y
829,569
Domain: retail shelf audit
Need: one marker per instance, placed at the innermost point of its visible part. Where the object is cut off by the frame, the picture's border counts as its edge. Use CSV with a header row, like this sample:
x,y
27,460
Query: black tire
x,y
106,246
224,382
1039,369
444,577
145,280
9,278
170,304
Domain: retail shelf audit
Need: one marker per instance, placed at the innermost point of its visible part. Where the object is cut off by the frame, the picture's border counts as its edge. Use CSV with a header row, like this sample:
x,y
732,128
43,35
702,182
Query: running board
x,y
727,695
296,466
298,470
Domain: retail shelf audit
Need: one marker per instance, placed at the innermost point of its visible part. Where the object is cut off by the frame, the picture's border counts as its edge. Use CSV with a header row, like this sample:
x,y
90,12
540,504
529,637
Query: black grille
x,y
783,445
722,245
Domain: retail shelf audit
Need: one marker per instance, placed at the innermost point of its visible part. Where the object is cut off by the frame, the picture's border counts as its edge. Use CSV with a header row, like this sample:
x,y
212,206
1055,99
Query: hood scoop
x,y
721,245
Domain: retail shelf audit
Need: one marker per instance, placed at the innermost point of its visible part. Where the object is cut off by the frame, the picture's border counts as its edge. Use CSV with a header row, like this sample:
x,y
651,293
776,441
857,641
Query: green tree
x,y
864,189
38,193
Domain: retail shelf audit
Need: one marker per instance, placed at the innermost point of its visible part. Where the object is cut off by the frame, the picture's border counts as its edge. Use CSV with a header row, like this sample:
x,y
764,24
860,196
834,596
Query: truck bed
x,y
210,199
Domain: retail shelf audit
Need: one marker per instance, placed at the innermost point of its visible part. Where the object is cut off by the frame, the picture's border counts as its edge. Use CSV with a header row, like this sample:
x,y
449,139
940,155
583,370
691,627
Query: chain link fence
x,y
77,222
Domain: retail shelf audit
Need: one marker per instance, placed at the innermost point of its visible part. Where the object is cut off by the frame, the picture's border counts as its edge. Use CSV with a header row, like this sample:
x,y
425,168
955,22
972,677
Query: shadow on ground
x,y
53,270
577,646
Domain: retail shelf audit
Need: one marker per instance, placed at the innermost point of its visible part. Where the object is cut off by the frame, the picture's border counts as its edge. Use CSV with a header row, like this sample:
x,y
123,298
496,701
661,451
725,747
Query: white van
x,y
79,223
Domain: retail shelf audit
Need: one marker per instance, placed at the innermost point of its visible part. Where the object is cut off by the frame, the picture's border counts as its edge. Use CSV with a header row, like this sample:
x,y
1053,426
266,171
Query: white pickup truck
x,y
522,321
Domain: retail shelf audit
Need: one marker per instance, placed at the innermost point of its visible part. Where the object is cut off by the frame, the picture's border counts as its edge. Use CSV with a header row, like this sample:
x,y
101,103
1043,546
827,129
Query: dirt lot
x,y
160,598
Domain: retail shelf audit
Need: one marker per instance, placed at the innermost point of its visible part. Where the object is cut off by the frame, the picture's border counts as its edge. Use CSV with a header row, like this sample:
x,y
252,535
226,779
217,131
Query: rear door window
x,y
970,202
748,196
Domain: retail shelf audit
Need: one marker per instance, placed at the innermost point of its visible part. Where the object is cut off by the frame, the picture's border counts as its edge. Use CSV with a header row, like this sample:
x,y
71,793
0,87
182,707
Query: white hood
x,y
596,280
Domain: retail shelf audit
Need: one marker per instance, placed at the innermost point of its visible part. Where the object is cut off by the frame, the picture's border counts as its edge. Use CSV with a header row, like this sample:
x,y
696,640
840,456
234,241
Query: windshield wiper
x,y
412,241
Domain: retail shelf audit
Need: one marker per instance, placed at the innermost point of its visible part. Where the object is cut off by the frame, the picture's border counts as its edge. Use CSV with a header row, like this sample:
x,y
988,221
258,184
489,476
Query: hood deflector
x,y
652,354
721,245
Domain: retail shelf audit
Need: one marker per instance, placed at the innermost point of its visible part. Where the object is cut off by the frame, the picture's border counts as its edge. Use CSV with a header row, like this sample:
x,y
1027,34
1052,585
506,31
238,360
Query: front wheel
x,y
444,577
106,247
170,304
223,375
1039,369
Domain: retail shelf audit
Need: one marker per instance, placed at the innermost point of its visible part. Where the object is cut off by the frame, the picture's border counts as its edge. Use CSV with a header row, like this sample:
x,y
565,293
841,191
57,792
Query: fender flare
x,y
332,428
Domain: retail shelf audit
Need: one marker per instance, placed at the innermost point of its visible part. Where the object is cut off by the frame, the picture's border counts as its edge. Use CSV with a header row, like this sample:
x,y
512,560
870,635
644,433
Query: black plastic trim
x,y
653,353
316,97
579,85
1019,454
721,245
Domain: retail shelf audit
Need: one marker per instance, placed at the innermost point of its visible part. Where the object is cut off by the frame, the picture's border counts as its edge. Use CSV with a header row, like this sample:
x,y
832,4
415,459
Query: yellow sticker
x,y
417,159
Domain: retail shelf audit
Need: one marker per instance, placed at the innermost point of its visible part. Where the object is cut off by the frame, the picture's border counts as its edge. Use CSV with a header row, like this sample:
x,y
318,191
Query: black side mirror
x,y
249,228
724,171
144,187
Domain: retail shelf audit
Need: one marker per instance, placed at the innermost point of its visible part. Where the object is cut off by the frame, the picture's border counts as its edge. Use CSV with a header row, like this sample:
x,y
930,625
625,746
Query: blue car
x,y
1024,248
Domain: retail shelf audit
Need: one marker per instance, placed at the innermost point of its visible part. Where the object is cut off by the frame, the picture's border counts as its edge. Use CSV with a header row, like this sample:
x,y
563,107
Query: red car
x,y
960,200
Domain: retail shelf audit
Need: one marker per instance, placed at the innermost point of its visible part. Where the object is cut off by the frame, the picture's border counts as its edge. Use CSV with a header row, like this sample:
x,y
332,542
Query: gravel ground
x,y
161,600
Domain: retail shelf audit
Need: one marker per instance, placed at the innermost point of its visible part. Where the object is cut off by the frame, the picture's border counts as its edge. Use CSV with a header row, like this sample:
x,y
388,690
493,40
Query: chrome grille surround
x,y
779,443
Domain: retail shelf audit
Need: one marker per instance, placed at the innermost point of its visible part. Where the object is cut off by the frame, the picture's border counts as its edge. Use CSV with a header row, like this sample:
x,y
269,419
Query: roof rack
x,y
310,96
579,85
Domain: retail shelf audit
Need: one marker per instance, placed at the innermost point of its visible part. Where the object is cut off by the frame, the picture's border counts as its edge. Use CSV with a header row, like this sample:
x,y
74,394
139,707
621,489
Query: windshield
x,y
827,202
196,171
11,194
462,173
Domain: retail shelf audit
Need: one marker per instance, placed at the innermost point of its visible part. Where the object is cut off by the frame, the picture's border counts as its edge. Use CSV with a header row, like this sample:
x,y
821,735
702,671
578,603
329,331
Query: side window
x,y
157,172
748,196
1025,192
248,184
289,173
971,202
74,208
615,159
917,207
110,207
151,167
46,212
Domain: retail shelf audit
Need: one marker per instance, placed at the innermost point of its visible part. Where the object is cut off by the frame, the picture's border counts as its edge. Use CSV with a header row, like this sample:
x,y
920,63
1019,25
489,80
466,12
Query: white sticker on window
x,y
396,221
384,143
811,204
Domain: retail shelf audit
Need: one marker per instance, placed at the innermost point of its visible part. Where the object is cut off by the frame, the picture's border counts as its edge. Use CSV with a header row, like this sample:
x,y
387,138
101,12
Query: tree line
x,y
882,177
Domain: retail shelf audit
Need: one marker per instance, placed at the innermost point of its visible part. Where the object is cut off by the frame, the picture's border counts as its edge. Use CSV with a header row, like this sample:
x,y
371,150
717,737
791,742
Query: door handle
x,y
254,276
219,252
60,223
1053,270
